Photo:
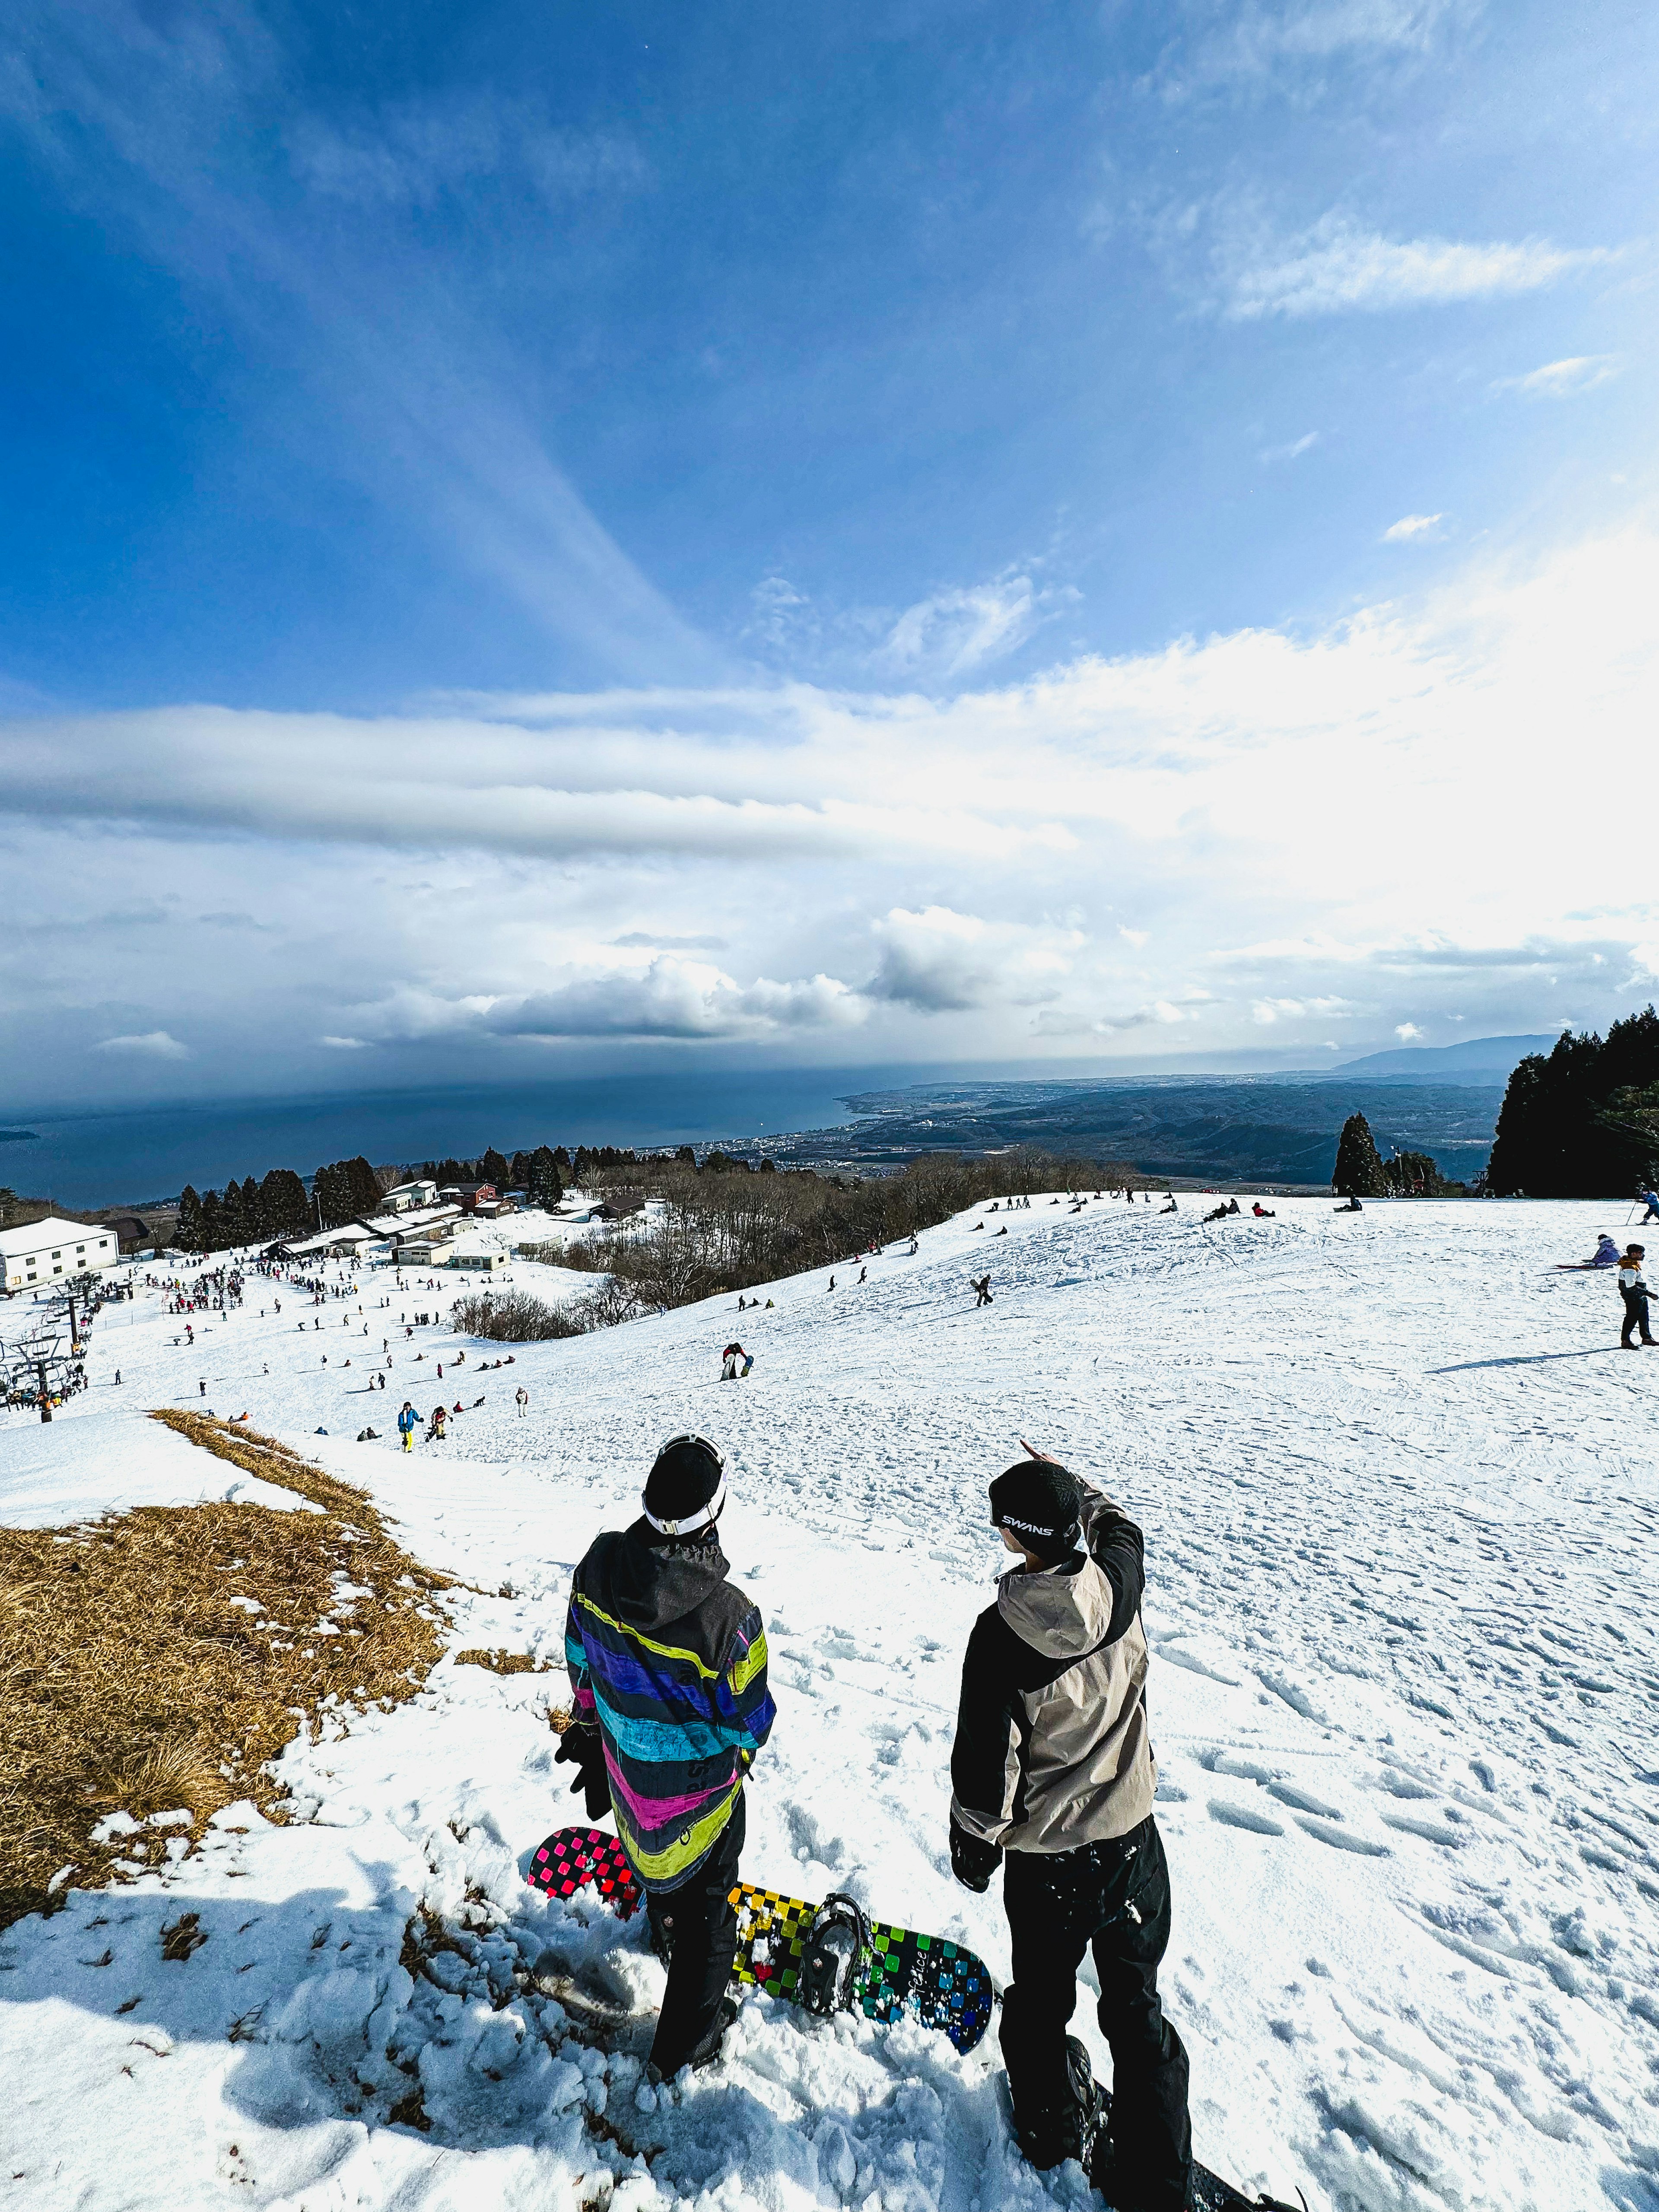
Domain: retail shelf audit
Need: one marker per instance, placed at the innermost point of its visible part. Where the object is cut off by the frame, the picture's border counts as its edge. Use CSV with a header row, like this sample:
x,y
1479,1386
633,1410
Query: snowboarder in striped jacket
x,y
667,1663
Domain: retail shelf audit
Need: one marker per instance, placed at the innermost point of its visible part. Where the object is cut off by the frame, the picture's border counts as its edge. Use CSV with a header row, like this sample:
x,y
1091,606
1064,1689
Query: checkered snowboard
x,y
586,1858
939,1984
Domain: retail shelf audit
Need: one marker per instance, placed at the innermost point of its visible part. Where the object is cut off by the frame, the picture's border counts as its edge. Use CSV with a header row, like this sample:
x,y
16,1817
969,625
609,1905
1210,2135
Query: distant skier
x,y
408,1421
521,1399
1352,1206
1169,1205
735,1363
1263,1213
667,1663
435,1430
1651,1200
1052,1764
1633,1289
982,1283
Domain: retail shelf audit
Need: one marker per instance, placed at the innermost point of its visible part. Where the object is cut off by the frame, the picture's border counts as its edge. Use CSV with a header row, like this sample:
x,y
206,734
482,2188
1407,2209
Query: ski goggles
x,y
705,1515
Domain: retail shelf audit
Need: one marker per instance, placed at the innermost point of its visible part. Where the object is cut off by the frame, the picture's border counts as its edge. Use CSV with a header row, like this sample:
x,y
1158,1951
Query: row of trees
x,y
250,1213
542,1173
245,1213
728,1229
1583,1121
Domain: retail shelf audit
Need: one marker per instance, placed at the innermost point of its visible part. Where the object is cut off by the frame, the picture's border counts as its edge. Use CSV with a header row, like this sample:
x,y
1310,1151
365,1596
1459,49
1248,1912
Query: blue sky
x,y
931,520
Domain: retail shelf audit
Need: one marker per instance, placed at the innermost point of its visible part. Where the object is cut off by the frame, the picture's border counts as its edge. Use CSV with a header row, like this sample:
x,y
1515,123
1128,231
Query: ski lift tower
x,y
40,1361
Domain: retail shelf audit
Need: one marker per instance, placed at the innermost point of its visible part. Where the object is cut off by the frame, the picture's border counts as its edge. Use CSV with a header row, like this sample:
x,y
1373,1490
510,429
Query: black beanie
x,y
685,1489
1039,1502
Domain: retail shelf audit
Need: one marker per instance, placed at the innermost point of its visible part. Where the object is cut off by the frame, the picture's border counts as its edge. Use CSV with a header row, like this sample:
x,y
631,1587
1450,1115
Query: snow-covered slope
x,y
1400,1500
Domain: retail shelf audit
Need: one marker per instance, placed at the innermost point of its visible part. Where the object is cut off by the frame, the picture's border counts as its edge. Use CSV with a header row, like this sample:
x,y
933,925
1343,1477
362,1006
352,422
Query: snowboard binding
x,y
831,1956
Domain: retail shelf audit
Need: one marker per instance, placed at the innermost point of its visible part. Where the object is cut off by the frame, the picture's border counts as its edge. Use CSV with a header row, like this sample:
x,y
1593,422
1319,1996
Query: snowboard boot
x,y
1066,2122
705,2051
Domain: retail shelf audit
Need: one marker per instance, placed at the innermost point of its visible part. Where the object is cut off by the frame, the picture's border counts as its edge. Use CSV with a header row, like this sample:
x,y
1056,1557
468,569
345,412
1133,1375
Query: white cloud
x,y
943,878
1405,1032
939,961
1336,267
1410,527
955,632
1294,450
669,998
1564,380
1256,40
346,1043
148,1044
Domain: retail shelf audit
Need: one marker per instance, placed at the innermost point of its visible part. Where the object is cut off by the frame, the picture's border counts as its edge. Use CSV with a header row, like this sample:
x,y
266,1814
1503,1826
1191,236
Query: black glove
x,y
584,1746
973,1861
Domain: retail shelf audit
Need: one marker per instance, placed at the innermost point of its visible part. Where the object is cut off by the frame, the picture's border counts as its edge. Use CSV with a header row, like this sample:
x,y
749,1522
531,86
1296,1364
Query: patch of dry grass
x,y
505,1662
129,1681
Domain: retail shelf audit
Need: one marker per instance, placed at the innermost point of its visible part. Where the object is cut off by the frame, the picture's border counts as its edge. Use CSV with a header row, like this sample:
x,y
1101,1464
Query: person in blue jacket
x,y
667,1661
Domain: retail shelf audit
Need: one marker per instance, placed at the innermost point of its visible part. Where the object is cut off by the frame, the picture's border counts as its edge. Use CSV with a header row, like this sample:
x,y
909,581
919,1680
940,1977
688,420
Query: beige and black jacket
x,y
1052,1749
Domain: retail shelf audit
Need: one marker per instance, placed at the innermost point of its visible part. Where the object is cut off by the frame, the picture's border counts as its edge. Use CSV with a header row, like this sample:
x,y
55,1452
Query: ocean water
x,y
105,1159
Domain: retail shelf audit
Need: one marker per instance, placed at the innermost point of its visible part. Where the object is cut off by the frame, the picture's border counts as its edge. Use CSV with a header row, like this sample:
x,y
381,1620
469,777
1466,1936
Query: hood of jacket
x,y
1062,1611
652,1579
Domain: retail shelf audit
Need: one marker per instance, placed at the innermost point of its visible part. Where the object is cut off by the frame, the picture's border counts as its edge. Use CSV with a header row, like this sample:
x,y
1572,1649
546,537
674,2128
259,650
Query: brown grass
x,y
128,1681
505,1662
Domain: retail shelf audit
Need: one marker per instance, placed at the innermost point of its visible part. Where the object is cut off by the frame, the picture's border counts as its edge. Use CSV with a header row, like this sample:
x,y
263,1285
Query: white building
x,y
41,1252
408,1196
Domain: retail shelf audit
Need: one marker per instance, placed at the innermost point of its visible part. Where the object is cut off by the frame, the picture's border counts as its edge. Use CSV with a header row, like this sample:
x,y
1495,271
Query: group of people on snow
x,y
1053,1780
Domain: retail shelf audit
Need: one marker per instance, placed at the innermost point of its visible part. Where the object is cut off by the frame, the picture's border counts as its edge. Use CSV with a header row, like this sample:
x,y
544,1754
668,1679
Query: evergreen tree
x,y
326,1197
210,1227
493,1168
187,1232
285,1209
1415,1175
1573,1122
541,1176
233,1218
561,1159
1358,1170
349,1190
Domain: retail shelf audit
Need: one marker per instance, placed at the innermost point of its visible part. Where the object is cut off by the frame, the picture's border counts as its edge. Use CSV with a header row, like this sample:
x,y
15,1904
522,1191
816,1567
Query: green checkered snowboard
x,y
940,1984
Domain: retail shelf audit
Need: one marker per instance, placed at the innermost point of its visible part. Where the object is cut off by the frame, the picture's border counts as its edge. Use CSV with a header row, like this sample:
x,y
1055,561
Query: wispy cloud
x,y
1255,40
1336,268
1411,527
1564,380
163,128
148,1044
1294,450
411,153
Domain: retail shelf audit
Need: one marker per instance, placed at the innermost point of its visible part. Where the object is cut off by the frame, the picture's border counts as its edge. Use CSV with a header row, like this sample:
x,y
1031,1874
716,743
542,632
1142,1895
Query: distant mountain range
x,y
1477,1060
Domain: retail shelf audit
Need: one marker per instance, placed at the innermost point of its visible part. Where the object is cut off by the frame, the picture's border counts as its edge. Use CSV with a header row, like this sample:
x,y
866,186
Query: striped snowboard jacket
x,y
669,1658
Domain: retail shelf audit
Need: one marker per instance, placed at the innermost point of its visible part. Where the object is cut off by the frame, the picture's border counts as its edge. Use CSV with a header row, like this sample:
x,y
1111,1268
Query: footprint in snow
x,y
1244,1816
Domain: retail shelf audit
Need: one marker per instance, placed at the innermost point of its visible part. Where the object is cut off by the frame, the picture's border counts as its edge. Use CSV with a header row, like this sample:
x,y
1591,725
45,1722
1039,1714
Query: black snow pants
x,y
695,1926
1112,1897
1635,1315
